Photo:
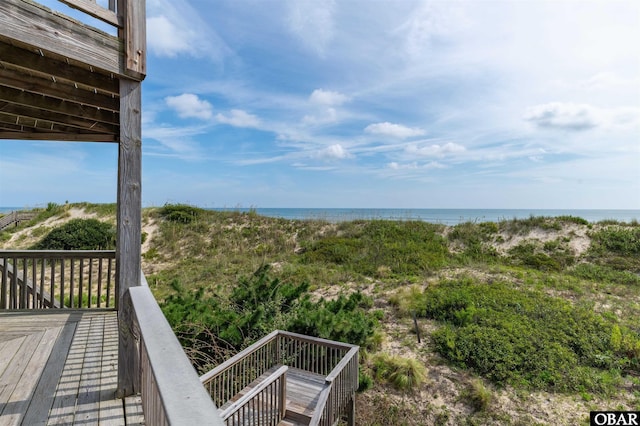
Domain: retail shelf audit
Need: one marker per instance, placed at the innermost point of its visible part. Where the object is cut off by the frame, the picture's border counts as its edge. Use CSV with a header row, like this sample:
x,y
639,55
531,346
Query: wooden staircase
x,y
286,379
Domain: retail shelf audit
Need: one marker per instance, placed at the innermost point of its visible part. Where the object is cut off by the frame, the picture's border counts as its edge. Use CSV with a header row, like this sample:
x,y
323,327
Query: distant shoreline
x,y
440,216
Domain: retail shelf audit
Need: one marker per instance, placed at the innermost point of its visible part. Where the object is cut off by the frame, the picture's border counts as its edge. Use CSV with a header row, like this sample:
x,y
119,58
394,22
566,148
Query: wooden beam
x,y
93,9
81,124
23,98
35,25
58,89
59,137
27,60
129,223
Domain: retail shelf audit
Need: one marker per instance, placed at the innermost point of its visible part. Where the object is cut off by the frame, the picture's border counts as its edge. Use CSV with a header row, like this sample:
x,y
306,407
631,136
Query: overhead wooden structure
x,y
60,79
63,79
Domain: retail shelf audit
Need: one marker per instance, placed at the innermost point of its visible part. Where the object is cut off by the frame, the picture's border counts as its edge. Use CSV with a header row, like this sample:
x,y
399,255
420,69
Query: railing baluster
x,y
108,283
90,283
99,280
62,283
71,284
4,288
23,285
80,282
34,292
53,278
43,267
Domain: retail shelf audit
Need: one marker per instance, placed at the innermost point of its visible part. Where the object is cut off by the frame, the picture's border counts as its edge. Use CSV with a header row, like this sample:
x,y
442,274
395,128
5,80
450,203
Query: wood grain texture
x,y
59,367
35,25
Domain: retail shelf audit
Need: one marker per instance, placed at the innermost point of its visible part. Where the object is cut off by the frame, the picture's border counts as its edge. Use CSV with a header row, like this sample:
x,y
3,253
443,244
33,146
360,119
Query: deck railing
x,y
169,387
338,397
15,218
264,405
337,361
57,279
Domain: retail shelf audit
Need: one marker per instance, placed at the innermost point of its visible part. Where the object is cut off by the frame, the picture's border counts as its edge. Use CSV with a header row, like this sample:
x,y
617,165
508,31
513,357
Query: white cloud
x,y
415,166
579,117
312,22
327,97
189,105
239,118
175,28
176,141
434,150
165,39
428,23
334,152
393,130
564,116
327,115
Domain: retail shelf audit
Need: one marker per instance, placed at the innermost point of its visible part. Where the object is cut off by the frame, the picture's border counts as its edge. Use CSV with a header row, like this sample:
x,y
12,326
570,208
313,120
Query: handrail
x,y
340,391
342,364
35,279
335,360
170,390
239,356
280,375
317,340
233,375
15,217
322,404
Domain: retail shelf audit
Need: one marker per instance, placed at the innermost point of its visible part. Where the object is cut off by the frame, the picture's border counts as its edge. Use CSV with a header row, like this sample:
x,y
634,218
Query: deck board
x,y
61,368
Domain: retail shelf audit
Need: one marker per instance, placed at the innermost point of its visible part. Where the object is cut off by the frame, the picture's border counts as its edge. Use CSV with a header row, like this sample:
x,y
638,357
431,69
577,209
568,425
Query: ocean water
x,y
442,216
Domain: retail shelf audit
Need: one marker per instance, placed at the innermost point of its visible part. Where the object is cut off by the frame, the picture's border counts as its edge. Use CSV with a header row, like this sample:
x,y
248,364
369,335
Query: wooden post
x,y
351,410
134,34
129,217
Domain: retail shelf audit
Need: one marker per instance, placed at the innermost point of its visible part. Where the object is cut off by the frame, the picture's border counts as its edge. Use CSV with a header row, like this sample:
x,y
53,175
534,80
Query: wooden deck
x,y
60,367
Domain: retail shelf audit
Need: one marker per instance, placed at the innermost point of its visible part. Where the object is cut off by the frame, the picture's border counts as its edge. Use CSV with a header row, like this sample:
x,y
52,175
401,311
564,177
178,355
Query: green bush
x,y
181,213
345,319
409,247
475,239
616,247
526,338
79,234
605,274
214,326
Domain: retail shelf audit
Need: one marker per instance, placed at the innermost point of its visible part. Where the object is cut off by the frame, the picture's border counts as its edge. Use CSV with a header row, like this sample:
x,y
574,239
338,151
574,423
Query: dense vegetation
x,y
527,338
509,305
213,327
79,234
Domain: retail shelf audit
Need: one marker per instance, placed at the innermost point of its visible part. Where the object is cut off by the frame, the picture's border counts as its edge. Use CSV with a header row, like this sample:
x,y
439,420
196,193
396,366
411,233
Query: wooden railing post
x,y
128,246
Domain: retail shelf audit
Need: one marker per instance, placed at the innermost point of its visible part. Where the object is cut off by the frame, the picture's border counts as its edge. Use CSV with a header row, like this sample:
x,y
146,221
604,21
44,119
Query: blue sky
x,y
372,103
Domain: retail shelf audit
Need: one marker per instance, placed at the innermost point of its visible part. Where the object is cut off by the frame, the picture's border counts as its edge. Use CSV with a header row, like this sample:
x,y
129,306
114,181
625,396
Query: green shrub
x,y
573,219
181,213
553,256
616,247
345,319
475,239
616,240
605,274
79,234
526,338
409,247
214,326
